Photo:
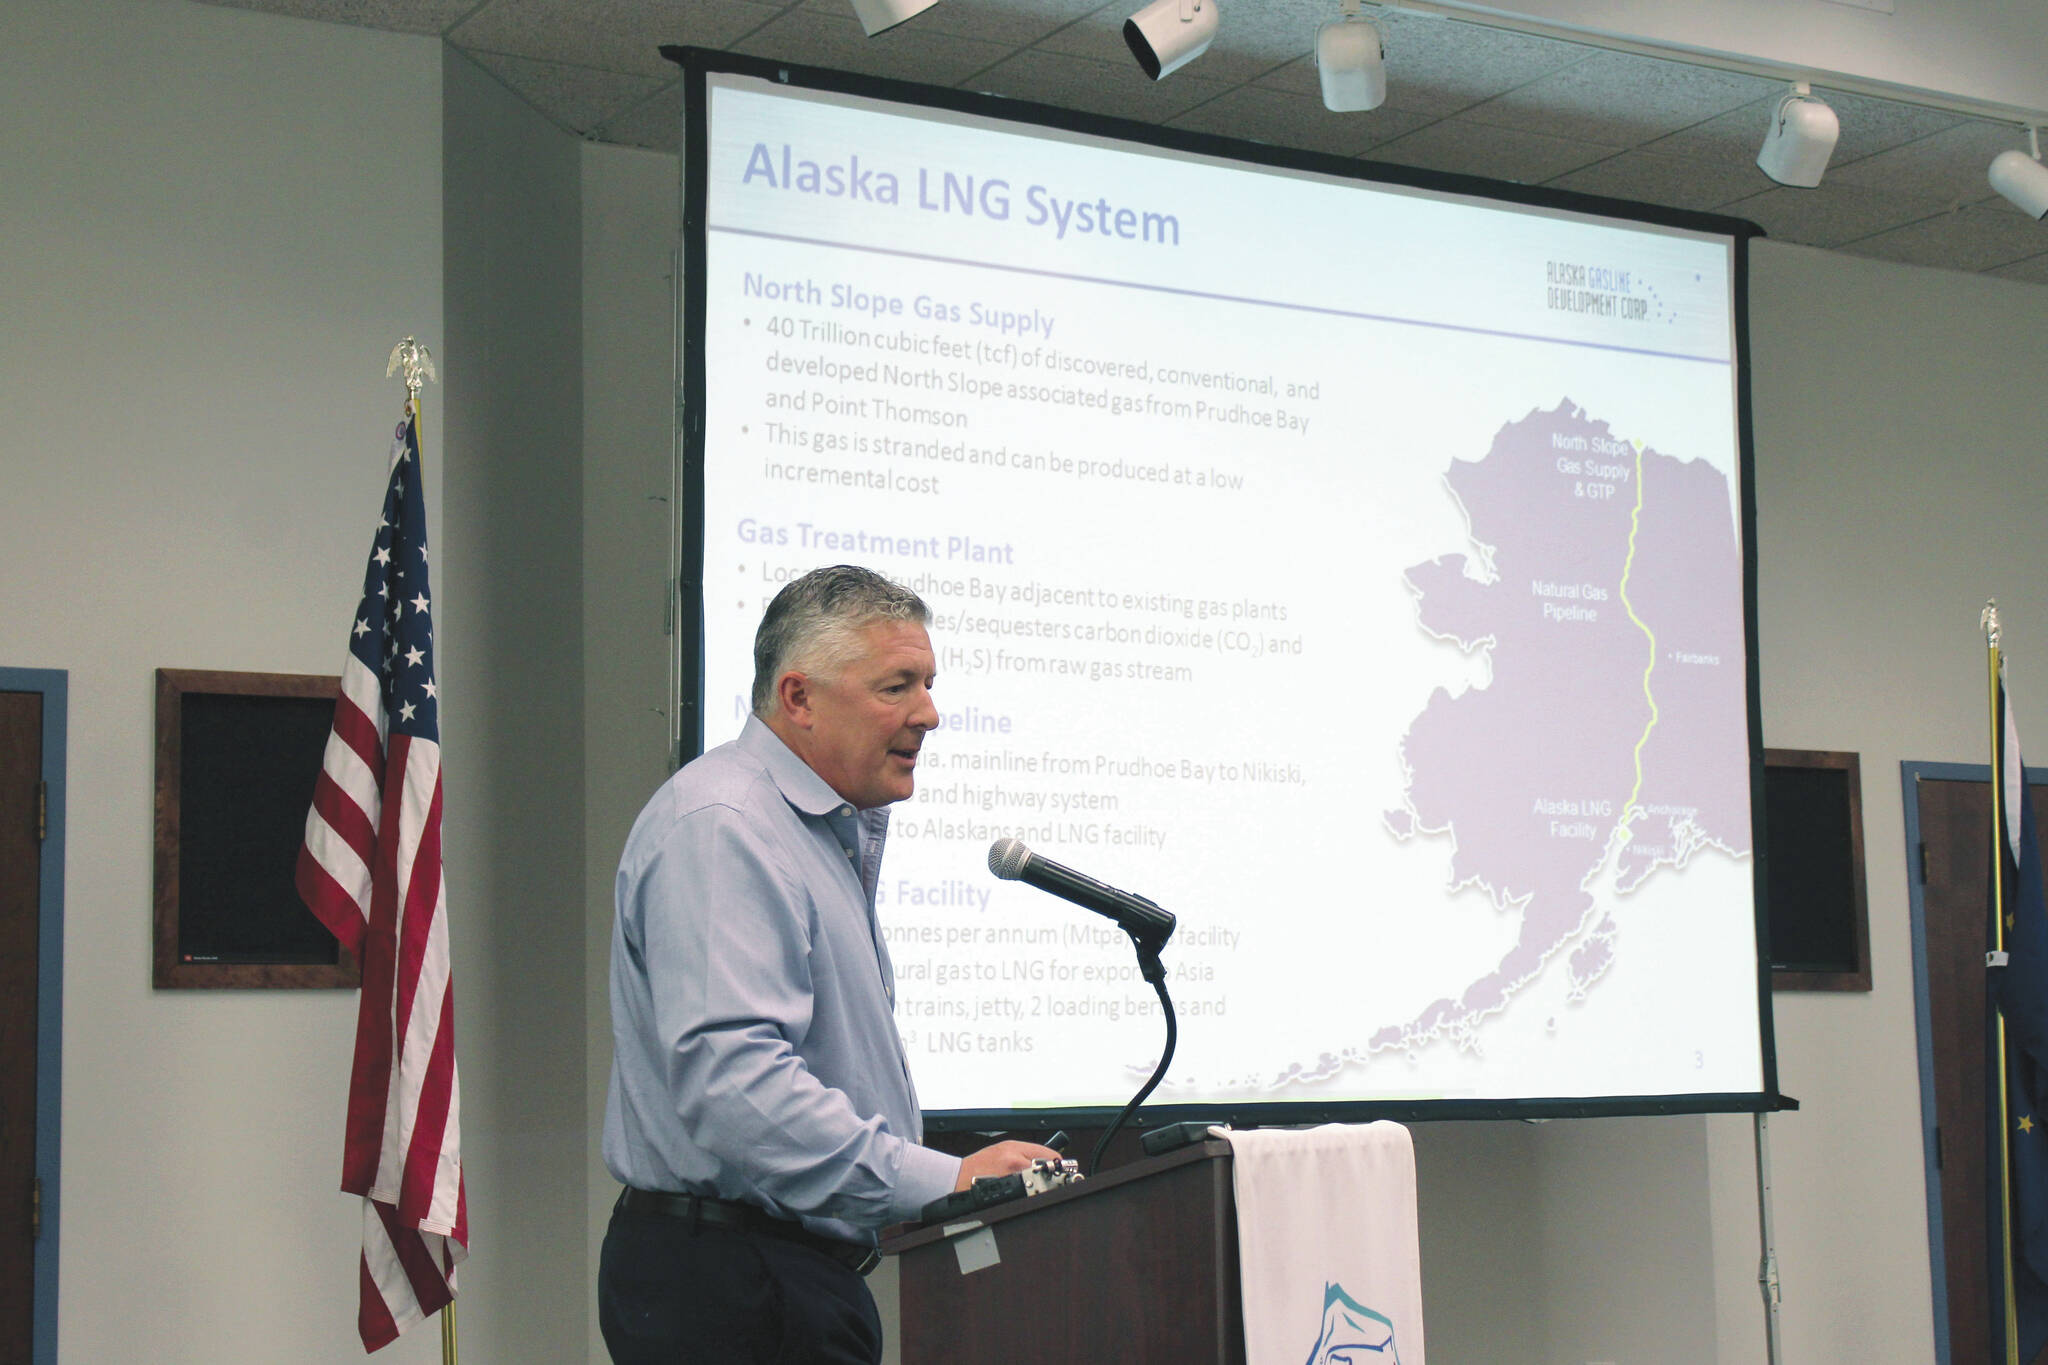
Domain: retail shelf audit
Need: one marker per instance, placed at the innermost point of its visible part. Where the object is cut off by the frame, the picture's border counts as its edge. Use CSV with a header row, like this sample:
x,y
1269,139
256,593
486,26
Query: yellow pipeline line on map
x,y
1635,519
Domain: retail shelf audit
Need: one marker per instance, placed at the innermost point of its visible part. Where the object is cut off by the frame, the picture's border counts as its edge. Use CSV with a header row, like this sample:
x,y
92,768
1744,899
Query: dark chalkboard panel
x,y
237,755
1813,836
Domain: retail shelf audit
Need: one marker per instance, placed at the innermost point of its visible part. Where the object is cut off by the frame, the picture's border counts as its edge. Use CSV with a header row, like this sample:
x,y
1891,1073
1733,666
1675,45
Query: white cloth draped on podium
x,y
1327,1245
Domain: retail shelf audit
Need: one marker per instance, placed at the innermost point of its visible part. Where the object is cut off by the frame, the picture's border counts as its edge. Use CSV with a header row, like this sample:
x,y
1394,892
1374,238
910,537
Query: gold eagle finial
x,y
416,361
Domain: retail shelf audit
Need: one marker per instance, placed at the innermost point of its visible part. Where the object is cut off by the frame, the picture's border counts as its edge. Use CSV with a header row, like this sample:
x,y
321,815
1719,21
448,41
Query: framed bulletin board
x,y
1818,904
236,759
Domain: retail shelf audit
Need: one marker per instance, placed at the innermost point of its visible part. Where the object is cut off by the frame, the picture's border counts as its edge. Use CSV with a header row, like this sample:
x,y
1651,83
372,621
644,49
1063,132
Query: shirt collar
x,y
798,781
859,832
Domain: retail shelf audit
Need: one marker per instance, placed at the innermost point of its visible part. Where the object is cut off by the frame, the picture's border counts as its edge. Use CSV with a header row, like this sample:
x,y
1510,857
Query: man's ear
x,y
793,690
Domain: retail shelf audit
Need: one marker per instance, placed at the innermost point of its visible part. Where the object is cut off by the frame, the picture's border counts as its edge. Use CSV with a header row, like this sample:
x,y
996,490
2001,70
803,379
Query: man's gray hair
x,y
814,625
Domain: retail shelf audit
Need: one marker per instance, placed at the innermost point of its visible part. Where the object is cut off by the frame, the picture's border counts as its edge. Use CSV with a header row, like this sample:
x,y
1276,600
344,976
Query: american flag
x,y
371,870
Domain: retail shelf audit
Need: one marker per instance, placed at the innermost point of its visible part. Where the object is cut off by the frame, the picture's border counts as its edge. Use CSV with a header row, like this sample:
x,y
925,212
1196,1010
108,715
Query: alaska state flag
x,y
2020,991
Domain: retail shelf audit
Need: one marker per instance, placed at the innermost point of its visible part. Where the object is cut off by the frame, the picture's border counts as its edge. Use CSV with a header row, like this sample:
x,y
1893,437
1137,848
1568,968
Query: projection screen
x,y
1361,570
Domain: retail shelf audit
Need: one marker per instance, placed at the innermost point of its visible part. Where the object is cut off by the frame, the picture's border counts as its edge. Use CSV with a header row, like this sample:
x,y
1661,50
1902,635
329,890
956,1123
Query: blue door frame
x,y
1910,776
53,685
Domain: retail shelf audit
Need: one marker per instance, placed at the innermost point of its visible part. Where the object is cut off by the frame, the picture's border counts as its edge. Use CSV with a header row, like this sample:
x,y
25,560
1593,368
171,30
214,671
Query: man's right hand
x,y
1002,1158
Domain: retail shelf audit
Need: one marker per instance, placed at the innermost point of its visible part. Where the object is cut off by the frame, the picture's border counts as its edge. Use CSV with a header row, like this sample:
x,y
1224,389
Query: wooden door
x,y
1955,859
21,766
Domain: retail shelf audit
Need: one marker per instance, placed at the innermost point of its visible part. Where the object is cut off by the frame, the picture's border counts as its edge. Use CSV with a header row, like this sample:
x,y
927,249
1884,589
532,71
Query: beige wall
x,y
212,229
629,224
231,219
513,724
217,224
1900,482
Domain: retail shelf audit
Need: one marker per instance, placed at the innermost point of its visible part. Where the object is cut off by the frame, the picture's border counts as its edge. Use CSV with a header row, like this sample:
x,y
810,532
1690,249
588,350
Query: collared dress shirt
x,y
755,1051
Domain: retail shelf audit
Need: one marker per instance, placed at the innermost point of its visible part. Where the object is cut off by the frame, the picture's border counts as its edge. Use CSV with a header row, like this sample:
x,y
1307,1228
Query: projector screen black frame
x,y
698,65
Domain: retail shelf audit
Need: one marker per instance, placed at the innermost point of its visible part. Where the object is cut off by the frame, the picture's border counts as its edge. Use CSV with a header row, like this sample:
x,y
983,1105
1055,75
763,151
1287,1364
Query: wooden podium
x,y
1138,1264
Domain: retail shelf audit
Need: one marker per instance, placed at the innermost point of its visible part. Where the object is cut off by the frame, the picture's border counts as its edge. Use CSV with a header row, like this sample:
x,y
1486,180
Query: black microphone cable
x,y
1147,926
1158,1073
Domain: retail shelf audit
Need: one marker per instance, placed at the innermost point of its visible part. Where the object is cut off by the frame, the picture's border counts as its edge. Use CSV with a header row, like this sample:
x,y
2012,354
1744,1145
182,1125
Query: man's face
x,y
867,724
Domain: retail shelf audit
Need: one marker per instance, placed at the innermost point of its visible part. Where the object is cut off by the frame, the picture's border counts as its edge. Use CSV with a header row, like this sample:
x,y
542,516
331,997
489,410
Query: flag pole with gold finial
x,y
416,363
2000,922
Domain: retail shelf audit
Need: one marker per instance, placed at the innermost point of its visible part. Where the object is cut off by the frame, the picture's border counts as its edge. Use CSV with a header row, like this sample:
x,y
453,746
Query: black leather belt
x,y
702,1210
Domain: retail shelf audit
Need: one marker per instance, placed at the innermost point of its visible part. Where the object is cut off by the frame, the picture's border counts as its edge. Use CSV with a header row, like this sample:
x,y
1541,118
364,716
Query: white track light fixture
x,y
2022,179
1801,139
876,15
1168,34
1351,63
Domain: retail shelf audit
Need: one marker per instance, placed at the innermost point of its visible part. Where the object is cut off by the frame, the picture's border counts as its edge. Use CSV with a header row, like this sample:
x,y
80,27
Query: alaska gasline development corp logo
x,y
1353,1334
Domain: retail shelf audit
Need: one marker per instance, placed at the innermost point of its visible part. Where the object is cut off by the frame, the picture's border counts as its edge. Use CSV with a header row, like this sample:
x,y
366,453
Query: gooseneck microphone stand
x,y
1154,971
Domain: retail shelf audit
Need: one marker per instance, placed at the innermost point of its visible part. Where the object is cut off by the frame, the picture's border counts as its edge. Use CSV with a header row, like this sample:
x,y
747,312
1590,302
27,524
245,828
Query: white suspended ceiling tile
x,y
1440,66
1675,181
814,38
1284,118
1464,147
578,98
1974,237
392,16
1831,215
655,123
1621,99
2032,270
616,35
1297,77
1261,35
1116,89
1016,23
1734,135
1251,39
1869,126
1951,165
1564,111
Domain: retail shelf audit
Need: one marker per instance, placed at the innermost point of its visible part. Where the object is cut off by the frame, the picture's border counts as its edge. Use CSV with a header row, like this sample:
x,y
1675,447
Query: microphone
x,y
1150,925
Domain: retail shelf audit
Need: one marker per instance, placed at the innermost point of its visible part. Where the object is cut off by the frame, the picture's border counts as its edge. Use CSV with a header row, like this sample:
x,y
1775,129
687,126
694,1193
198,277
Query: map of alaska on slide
x,y
1612,734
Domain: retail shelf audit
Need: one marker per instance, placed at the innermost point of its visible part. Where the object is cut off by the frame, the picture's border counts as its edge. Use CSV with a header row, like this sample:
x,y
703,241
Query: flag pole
x,y
417,364
1992,641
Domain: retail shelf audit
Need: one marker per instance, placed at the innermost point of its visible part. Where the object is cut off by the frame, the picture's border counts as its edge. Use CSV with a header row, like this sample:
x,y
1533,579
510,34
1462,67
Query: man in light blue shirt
x,y
761,1112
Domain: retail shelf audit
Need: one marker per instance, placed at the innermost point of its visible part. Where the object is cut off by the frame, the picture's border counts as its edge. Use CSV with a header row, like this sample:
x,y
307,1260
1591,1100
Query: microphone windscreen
x,y
1006,858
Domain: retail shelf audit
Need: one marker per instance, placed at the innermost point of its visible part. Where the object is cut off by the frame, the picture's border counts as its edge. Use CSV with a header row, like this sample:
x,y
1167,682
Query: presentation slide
x,y
1356,571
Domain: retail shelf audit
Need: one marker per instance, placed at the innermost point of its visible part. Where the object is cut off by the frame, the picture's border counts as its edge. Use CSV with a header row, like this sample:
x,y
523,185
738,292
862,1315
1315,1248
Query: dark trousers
x,y
669,1293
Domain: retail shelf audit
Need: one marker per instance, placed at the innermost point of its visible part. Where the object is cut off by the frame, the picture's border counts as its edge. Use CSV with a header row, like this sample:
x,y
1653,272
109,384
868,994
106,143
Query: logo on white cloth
x,y
1353,1334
